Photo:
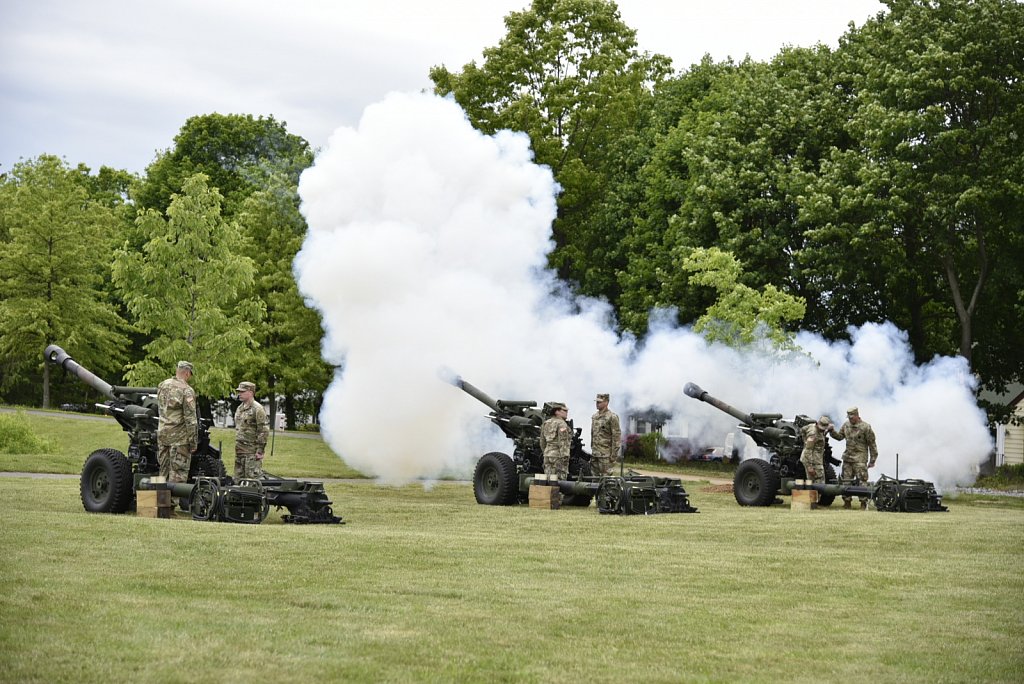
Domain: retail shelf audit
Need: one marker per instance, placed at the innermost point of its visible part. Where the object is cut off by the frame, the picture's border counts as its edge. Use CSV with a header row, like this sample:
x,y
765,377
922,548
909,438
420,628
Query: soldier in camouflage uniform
x,y
251,431
556,440
861,451
815,440
605,437
177,437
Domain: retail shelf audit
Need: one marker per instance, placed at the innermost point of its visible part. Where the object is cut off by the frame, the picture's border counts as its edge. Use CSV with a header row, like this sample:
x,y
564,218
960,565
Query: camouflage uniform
x,y
556,441
815,438
251,431
178,434
861,450
605,439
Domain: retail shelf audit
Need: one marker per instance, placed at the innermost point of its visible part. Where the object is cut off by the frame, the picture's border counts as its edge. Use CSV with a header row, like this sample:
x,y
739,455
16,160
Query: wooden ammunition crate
x,y
804,500
154,503
543,496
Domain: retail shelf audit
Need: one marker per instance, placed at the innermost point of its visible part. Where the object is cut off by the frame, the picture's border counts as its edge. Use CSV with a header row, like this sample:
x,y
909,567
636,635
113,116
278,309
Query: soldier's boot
x,y
846,504
863,504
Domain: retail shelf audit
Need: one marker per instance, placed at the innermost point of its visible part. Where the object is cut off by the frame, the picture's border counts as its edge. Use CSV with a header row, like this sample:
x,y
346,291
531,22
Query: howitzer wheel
x,y
495,481
205,464
755,483
106,483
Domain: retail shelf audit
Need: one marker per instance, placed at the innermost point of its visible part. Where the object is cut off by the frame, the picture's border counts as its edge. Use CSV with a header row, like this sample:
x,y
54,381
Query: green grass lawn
x,y
425,585
73,439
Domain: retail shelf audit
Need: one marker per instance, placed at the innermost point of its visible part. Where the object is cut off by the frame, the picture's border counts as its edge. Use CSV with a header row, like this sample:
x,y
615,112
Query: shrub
x,y
643,448
16,437
1005,477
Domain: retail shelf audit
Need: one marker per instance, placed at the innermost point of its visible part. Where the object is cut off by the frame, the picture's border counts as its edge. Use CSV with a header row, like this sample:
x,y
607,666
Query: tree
x,y
233,150
52,272
741,316
936,176
569,75
286,361
188,288
729,174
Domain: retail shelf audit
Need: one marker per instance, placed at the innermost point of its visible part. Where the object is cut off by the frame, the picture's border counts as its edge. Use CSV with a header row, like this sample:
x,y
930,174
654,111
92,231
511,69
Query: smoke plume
x,y
427,249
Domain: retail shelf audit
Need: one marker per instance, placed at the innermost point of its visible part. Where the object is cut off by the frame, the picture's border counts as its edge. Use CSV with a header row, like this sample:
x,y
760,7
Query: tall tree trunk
x,y
289,411
271,382
965,311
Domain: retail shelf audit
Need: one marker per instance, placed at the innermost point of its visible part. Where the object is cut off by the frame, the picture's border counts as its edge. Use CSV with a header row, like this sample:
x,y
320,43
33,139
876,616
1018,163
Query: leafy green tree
x,y
232,150
741,316
568,74
656,197
189,289
52,270
287,361
932,193
729,174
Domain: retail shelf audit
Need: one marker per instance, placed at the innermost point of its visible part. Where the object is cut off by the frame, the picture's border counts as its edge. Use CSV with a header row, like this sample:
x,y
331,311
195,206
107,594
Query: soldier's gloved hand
x,y
871,463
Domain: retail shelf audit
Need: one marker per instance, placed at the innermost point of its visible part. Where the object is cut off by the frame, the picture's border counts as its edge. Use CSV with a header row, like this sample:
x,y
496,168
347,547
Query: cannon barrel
x,y
474,392
58,357
496,405
694,390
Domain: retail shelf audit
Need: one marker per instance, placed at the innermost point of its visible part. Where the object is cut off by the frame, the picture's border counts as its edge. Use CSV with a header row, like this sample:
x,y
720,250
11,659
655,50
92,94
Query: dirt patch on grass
x,y
717,489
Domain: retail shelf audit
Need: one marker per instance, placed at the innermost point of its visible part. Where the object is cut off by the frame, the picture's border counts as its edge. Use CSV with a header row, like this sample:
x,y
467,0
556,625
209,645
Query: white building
x,y
1010,437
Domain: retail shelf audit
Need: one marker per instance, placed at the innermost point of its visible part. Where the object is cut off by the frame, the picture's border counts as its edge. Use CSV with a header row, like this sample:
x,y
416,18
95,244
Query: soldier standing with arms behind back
x,y
605,437
251,431
556,442
861,451
177,437
813,456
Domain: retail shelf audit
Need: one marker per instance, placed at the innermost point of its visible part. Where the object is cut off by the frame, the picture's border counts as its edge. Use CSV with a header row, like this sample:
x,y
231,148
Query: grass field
x,y
425,585
74,438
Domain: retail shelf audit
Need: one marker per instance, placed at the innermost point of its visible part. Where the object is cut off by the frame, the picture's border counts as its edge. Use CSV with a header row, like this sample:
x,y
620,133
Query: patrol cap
x,y
824,422
185,365
246,387
555,405
601,397
852,411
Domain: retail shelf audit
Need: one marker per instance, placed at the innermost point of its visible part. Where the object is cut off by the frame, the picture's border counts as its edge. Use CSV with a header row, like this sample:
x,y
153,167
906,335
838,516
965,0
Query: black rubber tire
x,y
107,485
577,500
495,481
825,500
205,464
755,483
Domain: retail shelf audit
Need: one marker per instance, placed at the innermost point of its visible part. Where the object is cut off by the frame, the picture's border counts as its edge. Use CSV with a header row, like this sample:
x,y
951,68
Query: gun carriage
x,y
110,477
757,482
502,480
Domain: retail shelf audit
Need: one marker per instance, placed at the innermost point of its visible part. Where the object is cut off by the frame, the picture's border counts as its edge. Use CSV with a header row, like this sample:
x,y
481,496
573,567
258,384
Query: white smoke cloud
x,y
427,248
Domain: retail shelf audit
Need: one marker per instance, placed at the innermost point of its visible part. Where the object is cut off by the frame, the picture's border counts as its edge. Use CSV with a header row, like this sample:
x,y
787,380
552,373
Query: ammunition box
x,y
804,500
154,503
545,497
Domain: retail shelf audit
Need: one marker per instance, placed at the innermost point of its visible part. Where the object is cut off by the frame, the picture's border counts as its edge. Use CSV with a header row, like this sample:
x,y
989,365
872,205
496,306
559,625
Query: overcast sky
x,y
110,82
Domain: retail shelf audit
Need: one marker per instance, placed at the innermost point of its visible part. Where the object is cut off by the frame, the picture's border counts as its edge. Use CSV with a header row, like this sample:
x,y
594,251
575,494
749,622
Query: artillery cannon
x,y
110,477
502,480
758,481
